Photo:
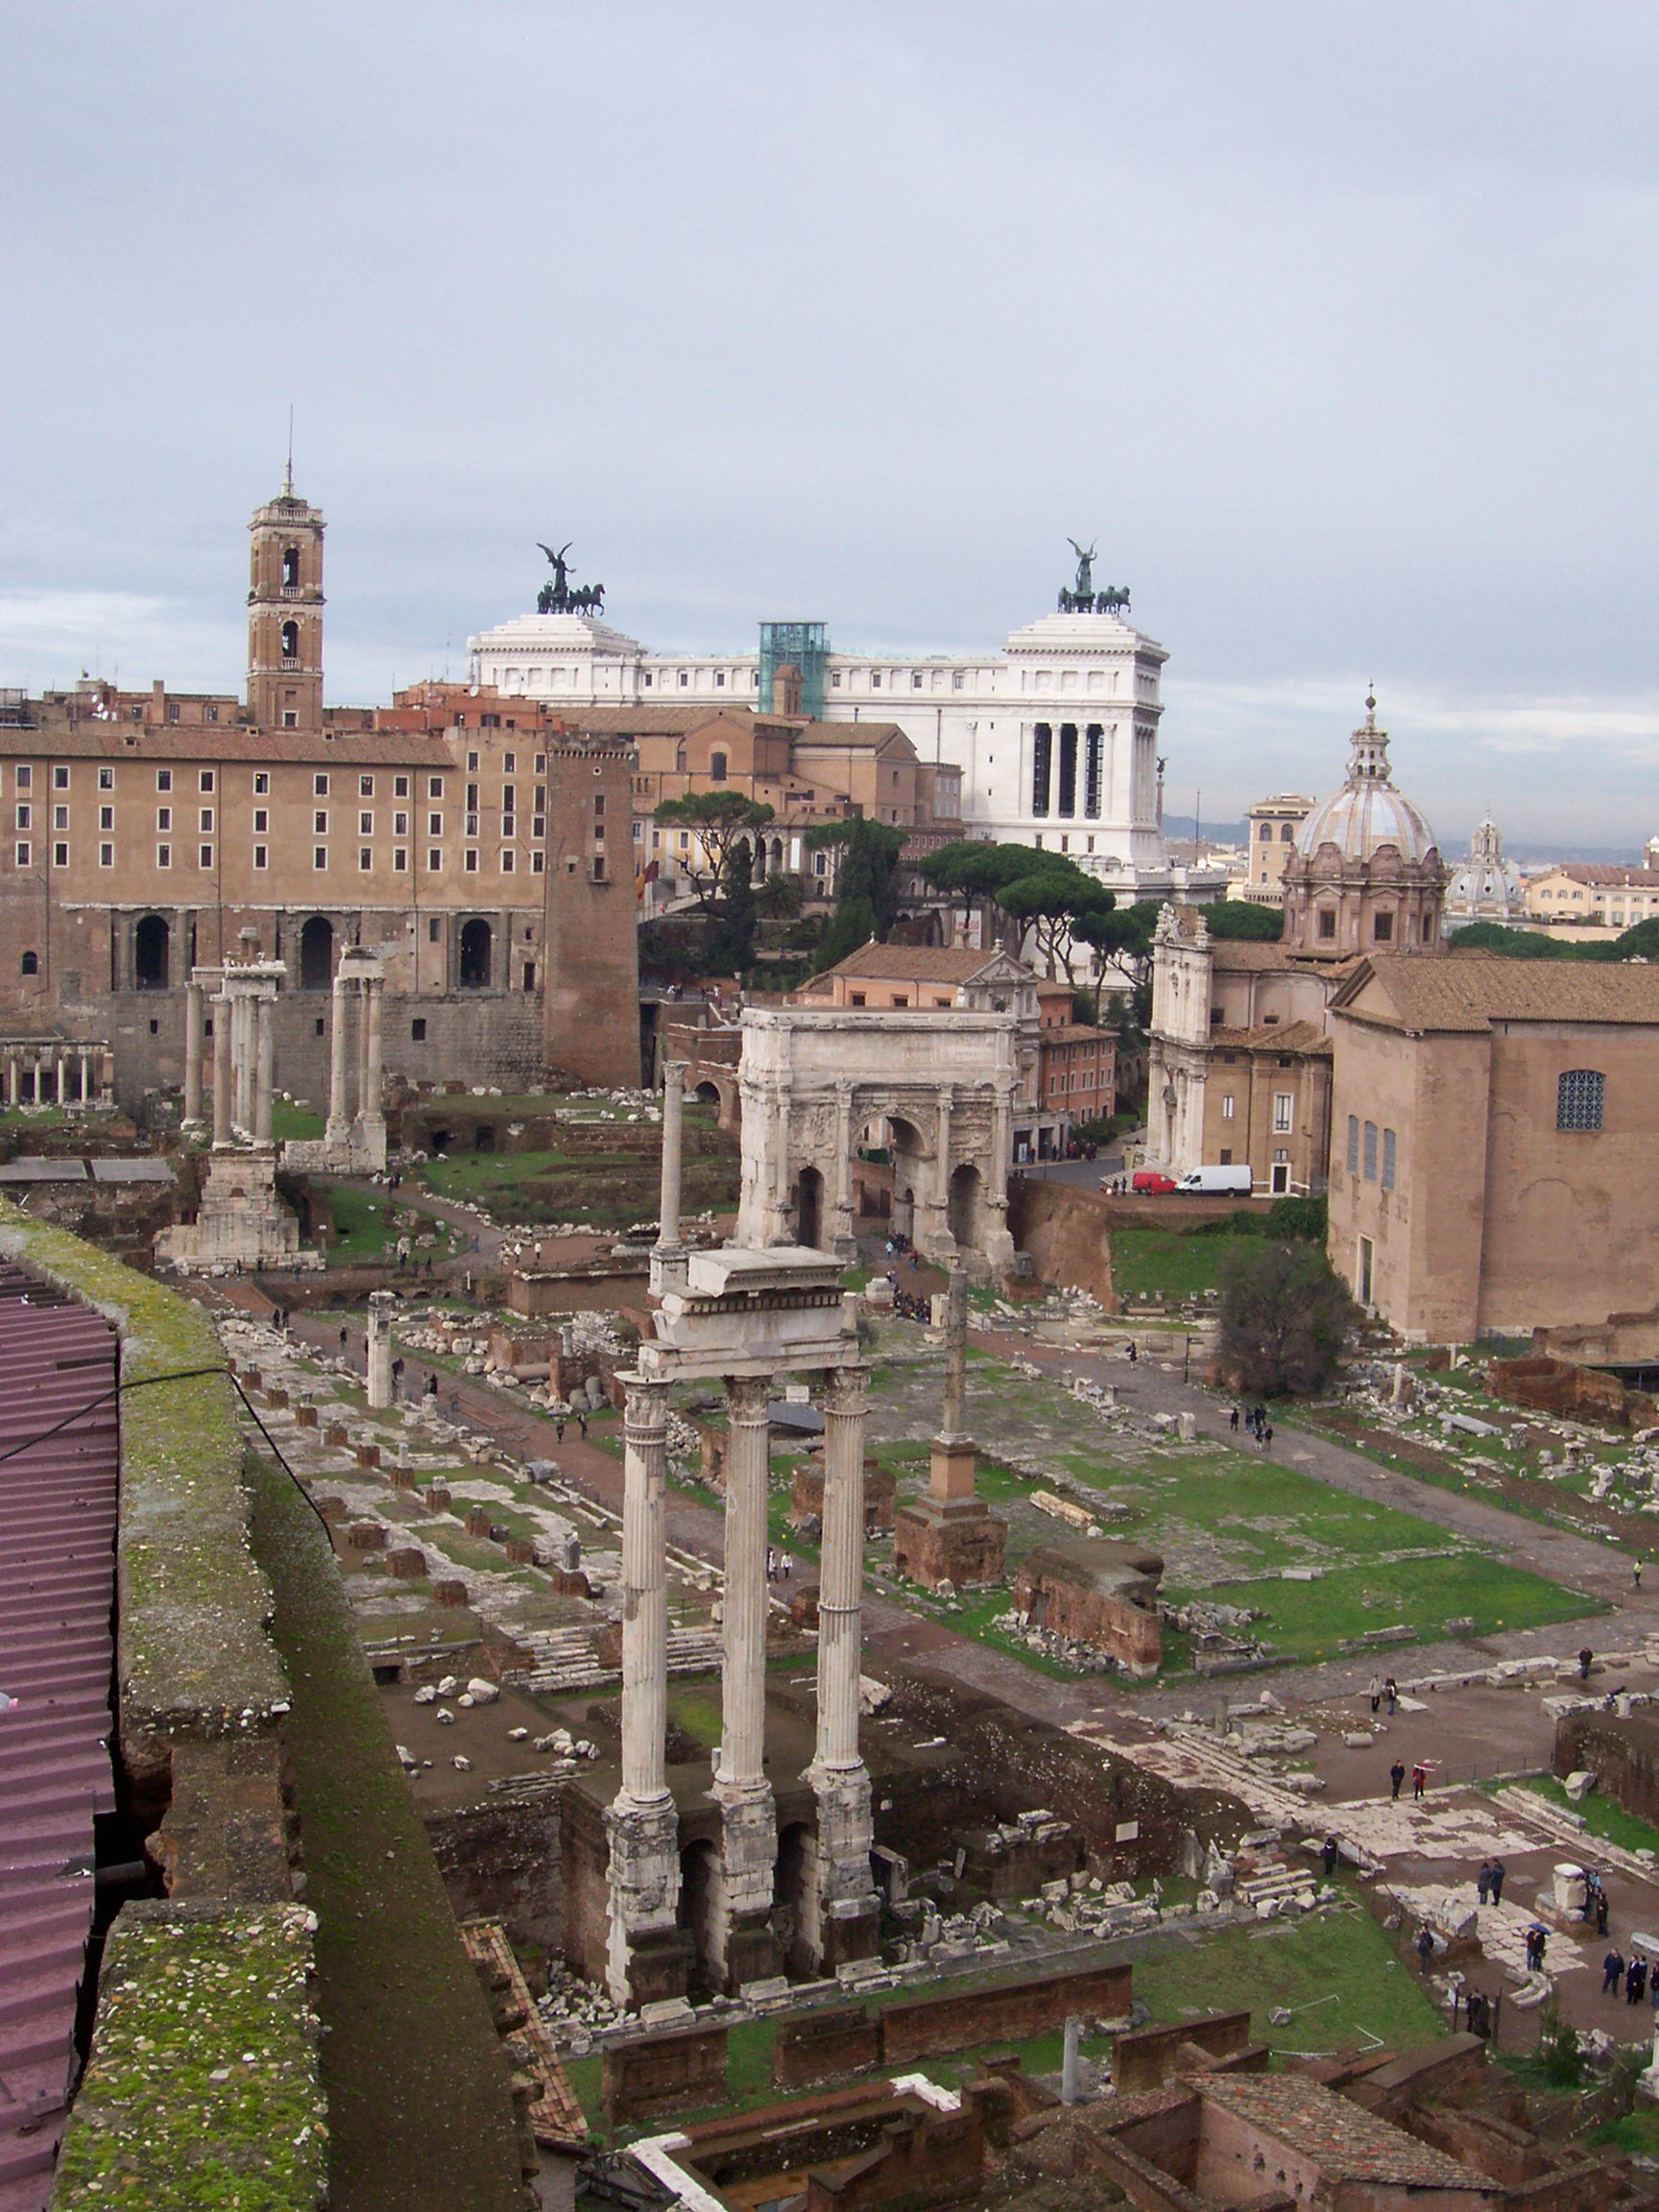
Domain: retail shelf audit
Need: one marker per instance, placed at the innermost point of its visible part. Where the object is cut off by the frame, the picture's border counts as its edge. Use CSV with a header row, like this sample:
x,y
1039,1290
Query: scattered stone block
x,y
366,1537
450,1591
407,1564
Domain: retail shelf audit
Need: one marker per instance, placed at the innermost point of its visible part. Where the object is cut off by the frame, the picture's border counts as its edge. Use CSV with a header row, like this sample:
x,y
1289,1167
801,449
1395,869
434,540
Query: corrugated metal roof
x,y
57,1518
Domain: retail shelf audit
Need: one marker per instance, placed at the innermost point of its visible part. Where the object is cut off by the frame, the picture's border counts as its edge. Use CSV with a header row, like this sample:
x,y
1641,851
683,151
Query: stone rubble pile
x,y
575,2011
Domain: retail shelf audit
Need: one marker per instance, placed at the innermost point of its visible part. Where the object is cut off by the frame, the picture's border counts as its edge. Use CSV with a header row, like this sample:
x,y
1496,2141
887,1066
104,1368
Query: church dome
x,y
1368,812
1485,886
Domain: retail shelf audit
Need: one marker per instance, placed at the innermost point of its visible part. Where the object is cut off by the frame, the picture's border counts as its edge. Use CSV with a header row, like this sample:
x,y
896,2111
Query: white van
x,y
1217,1182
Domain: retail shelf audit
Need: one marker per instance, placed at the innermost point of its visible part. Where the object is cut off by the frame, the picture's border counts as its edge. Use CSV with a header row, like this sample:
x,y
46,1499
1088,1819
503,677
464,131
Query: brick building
x,y
477,845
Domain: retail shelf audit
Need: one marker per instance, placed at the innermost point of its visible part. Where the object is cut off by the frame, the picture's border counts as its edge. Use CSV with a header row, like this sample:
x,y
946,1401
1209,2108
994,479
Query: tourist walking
x,y
1391,1695
1374,1693
1419,1778
771,1564
1584,1658
1484,1881
1636,1573
1635,1981
786,1566
1498,1873
1396,1775
1600,1909
1612,1970
1329,1855
1424,1948
1232,1423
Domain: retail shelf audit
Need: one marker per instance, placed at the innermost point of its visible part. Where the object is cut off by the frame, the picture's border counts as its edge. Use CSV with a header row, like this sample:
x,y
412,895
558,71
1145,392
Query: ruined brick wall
x,y
1067,1232
998,1764
825,2046
1099,1617
666,2072
807,1495
932,2027
1563,1388
1146,2059
503,1861
923,2159
1622,1754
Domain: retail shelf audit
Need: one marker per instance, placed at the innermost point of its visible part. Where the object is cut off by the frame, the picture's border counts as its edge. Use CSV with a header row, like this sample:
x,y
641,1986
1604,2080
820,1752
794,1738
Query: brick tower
x,y
285,612
592,993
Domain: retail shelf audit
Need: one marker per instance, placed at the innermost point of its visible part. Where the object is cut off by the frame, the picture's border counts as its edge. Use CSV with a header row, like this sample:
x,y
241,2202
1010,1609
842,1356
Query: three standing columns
x,y
848,1909
645,1961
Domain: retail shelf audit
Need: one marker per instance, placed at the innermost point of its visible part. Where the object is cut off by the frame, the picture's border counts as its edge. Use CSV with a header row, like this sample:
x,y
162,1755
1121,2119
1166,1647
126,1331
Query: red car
x,y
1151,1183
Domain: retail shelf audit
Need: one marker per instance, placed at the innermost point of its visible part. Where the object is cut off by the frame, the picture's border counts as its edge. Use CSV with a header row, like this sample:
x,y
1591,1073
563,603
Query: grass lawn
x,y
419,2106
1308,1620
1341,1966
1165,1263
298,1124
1601,1816
362,1227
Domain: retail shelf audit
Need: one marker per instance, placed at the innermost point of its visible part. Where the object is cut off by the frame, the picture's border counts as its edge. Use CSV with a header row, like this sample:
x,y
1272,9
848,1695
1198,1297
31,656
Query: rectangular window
x,y
205,856
1283,1101
434,825
365,858
163,856
1353,1145
399,824
206,779
1370,1151
1227,1104
207,822
473,757
106,779
538,825
163,817
59,779
509,763
400,859
506,860
106,817
1327,922
1581,1098
261,856
319,855
399,786
320,823
536,863
471,863
539,767
320,786
26,776
365,825
262,820
418,1030
261,785
59,855
105,855
23,856
24,818
365,787
434,786
59,817
1390,1158
508,802
434,861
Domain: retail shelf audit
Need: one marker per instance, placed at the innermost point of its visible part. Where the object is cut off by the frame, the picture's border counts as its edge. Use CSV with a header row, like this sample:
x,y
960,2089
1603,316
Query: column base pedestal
x,y
742,1946
648,1957
849,1932
849,1910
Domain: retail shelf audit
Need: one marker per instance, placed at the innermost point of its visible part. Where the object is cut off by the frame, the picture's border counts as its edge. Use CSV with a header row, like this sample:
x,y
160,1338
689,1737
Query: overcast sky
x,y
1335,326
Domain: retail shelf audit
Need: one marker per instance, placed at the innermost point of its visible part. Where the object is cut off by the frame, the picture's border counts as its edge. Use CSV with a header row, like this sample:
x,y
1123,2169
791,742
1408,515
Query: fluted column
x,y
374,1006
741,1945
338,1129
645,1958
847,1916
842,1239
668,1256
221,1067
242,1064
265,1066
193,1015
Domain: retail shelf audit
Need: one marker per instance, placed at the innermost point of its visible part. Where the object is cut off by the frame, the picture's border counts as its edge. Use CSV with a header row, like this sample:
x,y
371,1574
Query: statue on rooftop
x,y
1084,587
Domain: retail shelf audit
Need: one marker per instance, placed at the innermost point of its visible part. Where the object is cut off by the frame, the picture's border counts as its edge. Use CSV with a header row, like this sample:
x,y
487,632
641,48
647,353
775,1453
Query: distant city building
x,y
1580,891
1485,886
1240,1056
1273,823
1055,732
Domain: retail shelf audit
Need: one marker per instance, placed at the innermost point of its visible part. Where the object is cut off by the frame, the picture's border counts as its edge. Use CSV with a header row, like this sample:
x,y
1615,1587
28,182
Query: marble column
x,y
242,1064
60,1064
742,1946
847,1913
338,1124
646,1957
373,1119
193,1015
668,1254
377,1361
843,1239
11,1078
265,1066
221,1069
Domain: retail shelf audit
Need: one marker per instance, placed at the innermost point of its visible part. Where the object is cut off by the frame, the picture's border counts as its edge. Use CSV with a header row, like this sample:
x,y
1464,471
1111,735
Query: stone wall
x,y
1097,1592
1146,2059
1563,1388
501,1861
667,2071
924,2157
1066,1233
1623,1756
826,2046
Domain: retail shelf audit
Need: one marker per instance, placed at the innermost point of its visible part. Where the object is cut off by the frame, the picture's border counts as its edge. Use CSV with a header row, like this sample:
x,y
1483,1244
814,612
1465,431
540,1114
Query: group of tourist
x,y
1253,1418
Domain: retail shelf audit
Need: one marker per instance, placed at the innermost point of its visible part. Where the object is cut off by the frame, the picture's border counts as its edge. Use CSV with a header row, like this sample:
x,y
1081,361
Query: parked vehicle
x,y
1216,1181
1151,1183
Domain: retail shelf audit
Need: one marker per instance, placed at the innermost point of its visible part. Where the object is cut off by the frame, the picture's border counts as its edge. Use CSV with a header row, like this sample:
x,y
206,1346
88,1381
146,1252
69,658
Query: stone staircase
x,y
566,1660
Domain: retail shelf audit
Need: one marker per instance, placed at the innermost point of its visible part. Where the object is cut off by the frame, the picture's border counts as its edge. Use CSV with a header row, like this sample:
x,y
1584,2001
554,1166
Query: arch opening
x,y
809,1209
152,944
475,954
317,954
967,1198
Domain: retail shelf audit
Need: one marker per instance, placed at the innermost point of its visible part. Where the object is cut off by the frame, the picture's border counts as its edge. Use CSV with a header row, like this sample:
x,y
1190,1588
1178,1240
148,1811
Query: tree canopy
x,y
1284,1317
718,819
1239,918
868,877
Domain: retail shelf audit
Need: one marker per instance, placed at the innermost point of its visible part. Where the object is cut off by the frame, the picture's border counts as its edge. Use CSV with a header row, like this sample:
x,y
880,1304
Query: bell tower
x,y
285,612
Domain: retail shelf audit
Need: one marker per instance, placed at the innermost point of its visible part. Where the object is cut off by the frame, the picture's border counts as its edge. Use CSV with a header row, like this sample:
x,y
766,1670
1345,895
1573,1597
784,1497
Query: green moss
x,y
193,1654
203,2093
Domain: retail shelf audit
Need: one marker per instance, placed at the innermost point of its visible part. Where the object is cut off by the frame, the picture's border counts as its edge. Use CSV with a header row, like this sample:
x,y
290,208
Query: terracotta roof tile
x,y
1469,990
1346,2142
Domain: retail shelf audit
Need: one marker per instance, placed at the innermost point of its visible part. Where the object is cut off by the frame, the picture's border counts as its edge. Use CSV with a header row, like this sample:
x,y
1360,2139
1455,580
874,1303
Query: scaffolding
x,y
803,644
